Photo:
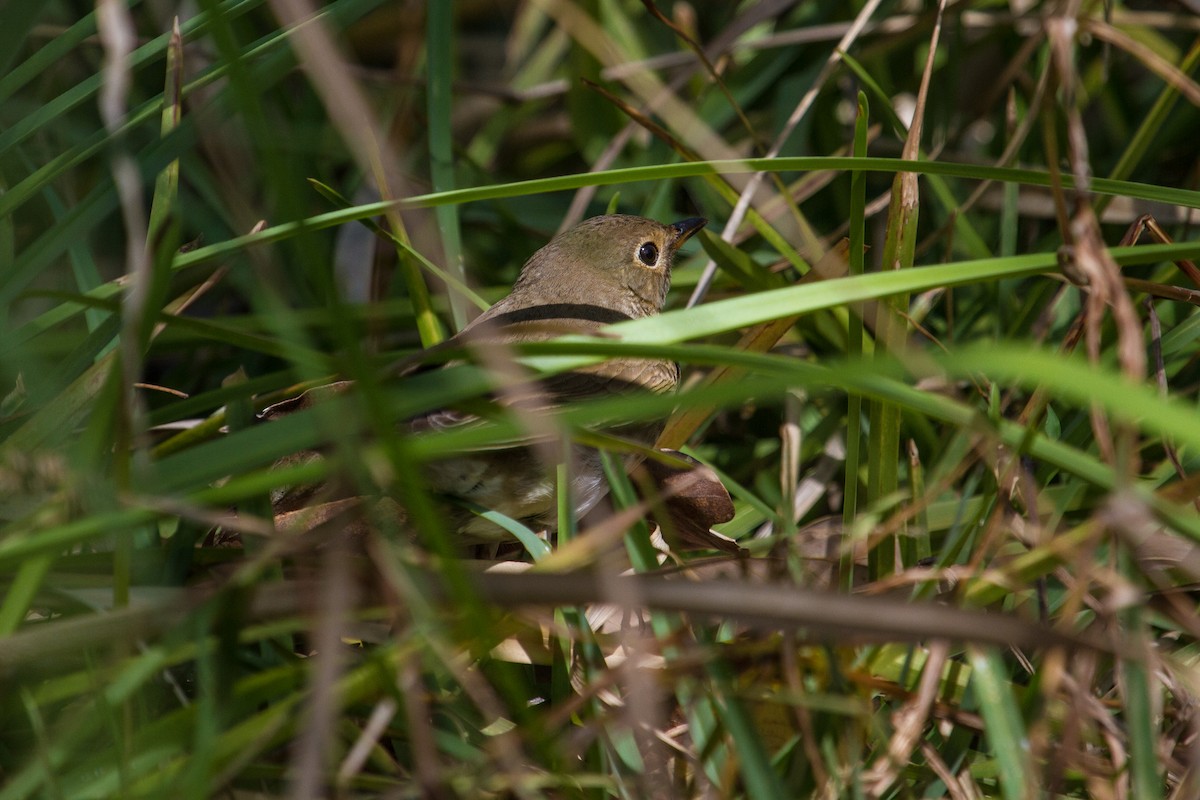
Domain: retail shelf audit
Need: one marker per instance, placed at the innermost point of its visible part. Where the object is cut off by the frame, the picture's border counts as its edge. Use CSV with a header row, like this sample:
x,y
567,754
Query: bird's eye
x,y
648,254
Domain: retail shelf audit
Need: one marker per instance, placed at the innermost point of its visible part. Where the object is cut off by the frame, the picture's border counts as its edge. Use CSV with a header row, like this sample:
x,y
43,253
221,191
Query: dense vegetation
x,y
956,406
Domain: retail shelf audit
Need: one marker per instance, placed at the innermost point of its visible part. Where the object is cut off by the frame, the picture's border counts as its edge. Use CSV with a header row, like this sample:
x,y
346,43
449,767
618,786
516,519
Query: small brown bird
x,y
606,269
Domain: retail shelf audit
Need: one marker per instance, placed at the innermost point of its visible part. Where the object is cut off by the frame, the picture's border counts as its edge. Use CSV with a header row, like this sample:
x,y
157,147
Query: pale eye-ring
x,y
648,254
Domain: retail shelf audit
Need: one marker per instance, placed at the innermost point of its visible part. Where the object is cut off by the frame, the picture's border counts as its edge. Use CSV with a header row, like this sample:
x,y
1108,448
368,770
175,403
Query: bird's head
x,y
617,261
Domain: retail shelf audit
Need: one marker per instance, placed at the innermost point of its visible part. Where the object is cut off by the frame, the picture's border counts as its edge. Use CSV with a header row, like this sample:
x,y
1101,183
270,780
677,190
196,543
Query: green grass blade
x,y
1007,737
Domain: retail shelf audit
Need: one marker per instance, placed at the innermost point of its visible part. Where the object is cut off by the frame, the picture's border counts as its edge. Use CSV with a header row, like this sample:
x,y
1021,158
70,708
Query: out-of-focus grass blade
x,y
428,326
137,318
1005,730
206,329
336,418
762,781
87,88
1139,717
36,256
64,752
58,418
22,591
1073,380
270,70
54,422
439,57
642,554
83,265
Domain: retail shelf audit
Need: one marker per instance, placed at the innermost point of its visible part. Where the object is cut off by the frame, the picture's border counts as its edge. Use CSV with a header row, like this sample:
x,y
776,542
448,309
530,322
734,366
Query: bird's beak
x,y
682,231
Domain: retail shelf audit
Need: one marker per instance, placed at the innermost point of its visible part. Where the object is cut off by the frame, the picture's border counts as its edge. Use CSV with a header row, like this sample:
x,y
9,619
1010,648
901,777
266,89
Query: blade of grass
x,y
1138,716
891,328
439,55
1006,733
284,231
966,235
427,324
854,340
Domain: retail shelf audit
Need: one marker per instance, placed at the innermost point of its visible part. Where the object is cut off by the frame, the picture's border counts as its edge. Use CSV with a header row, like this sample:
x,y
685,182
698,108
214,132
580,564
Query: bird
x,y
604,270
